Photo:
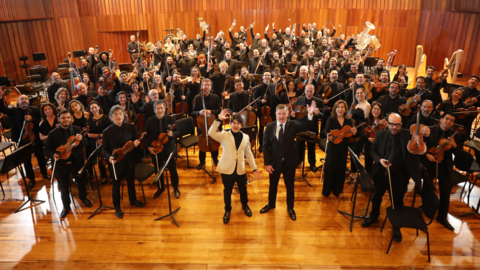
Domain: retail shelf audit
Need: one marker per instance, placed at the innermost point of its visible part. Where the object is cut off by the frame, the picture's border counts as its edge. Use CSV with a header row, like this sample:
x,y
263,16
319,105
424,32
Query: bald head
x,y
394,123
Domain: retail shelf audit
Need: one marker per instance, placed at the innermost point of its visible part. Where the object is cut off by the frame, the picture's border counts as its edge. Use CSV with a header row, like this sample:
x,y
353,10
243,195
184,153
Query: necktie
x,y
280,134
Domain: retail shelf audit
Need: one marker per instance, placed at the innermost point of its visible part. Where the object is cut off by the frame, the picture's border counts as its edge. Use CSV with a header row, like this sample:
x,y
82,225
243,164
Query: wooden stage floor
x,y
36,238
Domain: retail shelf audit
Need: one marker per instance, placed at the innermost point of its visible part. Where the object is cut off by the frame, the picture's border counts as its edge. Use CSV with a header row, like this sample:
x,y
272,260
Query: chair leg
x,y
144,198
391,240
383,225
428,246
188,161
122,189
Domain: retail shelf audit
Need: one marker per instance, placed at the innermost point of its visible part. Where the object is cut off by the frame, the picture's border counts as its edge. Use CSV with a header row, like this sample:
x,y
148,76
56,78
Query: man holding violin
x,y
160,151
72,164
416,92
24,114
115,139
269,99
439,135
380,86
239,99
425,115
393,100
434,86
328,90
393,164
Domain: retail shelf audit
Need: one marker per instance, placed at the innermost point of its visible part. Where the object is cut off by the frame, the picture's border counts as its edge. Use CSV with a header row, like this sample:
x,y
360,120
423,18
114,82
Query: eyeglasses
x,y
395,124
391,87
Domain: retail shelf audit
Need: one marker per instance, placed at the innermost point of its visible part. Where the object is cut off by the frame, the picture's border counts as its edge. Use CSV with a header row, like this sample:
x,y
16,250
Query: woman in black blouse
x,y
193,86
375,116
401,76
49,120
97,123
63,99
79,115
158,84
123,101
202,64
336,155
92,92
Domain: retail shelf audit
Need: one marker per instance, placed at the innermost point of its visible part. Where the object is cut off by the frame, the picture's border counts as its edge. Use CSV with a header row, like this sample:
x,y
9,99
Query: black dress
x,y
96,127
79,122
44,128
193,89
336,159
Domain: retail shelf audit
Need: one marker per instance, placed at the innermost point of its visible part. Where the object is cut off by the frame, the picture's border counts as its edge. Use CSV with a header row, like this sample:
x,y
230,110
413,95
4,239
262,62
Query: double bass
x,y
182,106
74,75
205,142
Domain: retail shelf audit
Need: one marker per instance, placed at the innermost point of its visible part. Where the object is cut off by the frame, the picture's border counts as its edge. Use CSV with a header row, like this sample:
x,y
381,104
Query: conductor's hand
x,y
257,175
112,160
385,163
136,143
426,131
223,115
269,169
78,137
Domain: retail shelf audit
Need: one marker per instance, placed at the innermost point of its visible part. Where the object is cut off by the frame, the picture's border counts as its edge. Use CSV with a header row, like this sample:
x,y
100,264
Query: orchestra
x,y
289,82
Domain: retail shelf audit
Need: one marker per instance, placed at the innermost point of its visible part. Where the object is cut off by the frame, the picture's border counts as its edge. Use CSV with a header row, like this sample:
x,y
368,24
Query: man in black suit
x,y
305,100
280,155
132,47
18,116
416,92
56,84
434,86
389,150
106,99
336,88
425,115
393,100
63,167
147,107
115,137
239,99
155,126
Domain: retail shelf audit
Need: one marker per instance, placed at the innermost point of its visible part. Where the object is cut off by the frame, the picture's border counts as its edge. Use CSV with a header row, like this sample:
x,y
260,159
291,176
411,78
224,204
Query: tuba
x,y
203,25
363,39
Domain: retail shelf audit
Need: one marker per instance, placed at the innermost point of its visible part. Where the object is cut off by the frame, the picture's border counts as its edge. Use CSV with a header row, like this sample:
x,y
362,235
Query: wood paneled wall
x,y
401,24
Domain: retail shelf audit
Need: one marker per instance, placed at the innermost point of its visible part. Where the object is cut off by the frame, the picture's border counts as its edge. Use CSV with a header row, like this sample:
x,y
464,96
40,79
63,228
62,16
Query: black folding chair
x,y
187,137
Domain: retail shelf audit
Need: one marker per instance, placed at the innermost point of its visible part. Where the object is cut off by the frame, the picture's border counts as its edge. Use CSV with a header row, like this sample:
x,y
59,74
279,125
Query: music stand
x,y
127,67
306,136
371,61
80,53
83,171
170,214
40,56
365,181
16,159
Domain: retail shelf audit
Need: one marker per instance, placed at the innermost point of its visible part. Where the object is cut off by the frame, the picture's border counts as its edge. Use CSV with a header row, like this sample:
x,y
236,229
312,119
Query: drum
x,y
374,44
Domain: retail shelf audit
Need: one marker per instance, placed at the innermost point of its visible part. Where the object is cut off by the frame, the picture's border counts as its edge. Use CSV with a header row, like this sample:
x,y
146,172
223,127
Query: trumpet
x,y
203,25
233,24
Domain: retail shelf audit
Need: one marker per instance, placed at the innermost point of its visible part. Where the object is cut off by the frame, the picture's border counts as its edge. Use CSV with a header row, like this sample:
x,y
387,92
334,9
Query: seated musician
x,y
389,150
380,88
63,167
416,92
442,170
435,87
232,162
335,88
56,84
380,67
163,123
425,115
238,99
393,100
256,64
212,106
115,137
304,78
304,101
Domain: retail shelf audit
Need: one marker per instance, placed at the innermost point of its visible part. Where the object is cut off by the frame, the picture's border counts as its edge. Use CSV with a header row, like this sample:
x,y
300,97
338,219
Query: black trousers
x,y
122,171
335,167
63,169
42,162
368,159
311,151
288,178
172,168
203,155
89,150
444,185
399,186
228,182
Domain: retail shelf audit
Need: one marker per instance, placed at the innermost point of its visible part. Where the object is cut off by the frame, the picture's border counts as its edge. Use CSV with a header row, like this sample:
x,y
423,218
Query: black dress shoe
x,y
313,169
266,208
226,217
31,184
177,193
445,223
158,193
200,166
247,210
291,213
46,176
137,203
65,212
260,149
87,203
397,235
215,162
118,213
369,221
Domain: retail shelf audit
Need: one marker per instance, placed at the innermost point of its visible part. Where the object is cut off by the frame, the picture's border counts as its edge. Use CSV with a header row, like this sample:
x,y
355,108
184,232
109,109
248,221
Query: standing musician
x,y
239,99
232,162
442,170
379,89
162,123
256,61
277,62
64,167
97,123
198,43
19,115
144,68
389,150
56,84
393,100
425,116
280,155
132,47
63,99
168,69
106,99
176,89
87,68
377,71
104,62
147,107
416,92
115,137
247,79
305,101
435,87
84,96
303,79
359,82
212,106
352,74
185,64
375,117
266,90
335,88
219,78
123,100
92,57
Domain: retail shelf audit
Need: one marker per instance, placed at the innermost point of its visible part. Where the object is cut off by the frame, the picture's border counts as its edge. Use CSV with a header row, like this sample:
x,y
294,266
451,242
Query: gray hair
x,y
114,109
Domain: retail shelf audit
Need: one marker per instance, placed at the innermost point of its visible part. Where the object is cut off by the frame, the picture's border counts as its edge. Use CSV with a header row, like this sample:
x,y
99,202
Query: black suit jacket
x,y
152,130
380,150
55,139
147,109
274,151
319,103
115,137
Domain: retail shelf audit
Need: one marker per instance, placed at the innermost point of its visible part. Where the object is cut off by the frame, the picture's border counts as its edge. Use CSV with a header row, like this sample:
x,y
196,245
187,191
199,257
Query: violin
x,y
439,151
265,113
406,109
371,131
161,140
132,77
101,157
182,106
469,101
305,82
227,80
28,129
64,151
169,101
345,132
109,80
327,92
129,112
379,86
280,87
205,142
120,153
416,145
463,113
438,78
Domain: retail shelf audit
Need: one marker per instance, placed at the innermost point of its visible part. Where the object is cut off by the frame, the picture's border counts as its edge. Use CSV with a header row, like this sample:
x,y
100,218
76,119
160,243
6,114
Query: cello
x,y
182,106
265,117
74,76
249,117
416,145
205,142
